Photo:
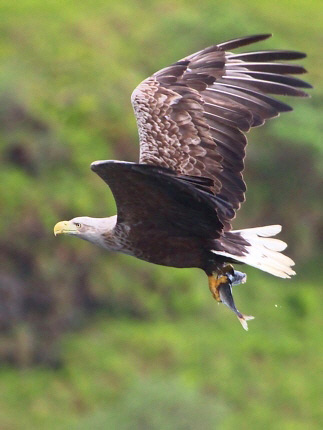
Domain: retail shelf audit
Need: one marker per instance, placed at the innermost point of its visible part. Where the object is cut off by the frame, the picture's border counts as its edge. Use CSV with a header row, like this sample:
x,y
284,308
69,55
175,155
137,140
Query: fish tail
x,y
243,320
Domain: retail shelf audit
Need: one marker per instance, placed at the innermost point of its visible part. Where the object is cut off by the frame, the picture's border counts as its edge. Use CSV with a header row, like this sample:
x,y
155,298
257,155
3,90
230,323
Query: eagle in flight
x,y
176,205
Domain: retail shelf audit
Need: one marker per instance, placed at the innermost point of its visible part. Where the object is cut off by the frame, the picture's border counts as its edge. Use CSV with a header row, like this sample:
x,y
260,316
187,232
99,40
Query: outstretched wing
x,y
151,196
192,115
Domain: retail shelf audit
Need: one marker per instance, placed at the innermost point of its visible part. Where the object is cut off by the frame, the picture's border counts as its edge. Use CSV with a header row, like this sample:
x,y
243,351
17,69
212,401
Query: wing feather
x,y
281,68
274,77
149,196
267,55
192,115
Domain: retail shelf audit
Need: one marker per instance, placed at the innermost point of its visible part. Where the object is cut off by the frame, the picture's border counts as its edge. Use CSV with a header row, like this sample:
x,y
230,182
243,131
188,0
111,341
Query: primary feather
x,y
191,115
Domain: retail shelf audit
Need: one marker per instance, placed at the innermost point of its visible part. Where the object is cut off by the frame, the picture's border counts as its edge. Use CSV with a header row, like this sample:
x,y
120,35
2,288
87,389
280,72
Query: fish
x,y
226,296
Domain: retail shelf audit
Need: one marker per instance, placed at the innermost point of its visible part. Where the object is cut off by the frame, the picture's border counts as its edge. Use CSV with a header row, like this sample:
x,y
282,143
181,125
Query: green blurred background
x,y
91,340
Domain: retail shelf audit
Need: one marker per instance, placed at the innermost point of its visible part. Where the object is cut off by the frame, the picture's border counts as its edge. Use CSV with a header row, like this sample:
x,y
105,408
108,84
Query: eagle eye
x,y
78,225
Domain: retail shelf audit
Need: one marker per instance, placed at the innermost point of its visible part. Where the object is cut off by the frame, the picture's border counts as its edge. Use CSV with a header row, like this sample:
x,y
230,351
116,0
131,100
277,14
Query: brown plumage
x,y
175,207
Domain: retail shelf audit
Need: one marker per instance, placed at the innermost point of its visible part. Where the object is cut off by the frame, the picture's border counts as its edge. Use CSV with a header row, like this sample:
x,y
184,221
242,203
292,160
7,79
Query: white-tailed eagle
x,y
176,205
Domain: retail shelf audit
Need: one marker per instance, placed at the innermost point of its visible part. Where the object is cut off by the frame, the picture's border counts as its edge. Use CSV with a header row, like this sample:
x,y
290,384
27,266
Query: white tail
x,y
264,253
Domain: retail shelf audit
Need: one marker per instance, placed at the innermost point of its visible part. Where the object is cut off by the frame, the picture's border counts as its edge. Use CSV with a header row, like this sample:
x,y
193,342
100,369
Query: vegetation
x,y
90,340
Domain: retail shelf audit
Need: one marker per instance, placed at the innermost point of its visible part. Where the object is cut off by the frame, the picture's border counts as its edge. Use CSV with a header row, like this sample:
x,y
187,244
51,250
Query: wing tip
x,y
306,85
242,41
95,166
300,55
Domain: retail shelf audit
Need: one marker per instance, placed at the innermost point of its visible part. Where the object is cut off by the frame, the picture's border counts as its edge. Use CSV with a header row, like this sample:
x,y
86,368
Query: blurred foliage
x,y
166,371
155,405
67,72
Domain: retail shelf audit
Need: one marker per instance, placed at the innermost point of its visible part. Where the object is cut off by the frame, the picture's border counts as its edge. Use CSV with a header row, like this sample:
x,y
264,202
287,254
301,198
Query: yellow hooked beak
x,y
65,227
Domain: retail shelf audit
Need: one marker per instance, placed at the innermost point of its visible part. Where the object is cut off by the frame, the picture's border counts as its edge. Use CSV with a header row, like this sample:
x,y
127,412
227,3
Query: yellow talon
x,y
214,285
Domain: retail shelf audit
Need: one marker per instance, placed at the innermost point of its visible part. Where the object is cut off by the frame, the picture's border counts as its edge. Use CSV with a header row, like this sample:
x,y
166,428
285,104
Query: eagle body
x,y
174,224
175,207
160,248
181,251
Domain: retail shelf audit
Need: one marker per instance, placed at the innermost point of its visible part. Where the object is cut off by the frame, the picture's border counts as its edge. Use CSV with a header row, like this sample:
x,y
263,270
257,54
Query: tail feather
x,y
264,252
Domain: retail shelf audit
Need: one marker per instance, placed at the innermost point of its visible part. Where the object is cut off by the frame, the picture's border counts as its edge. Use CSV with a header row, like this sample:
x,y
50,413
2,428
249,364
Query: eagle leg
x,y
223,276
219,278
220,284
